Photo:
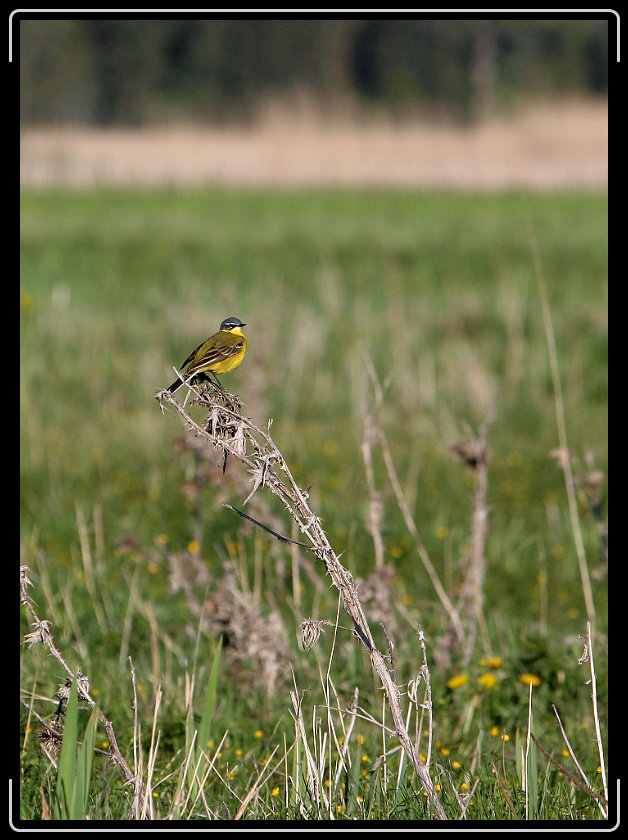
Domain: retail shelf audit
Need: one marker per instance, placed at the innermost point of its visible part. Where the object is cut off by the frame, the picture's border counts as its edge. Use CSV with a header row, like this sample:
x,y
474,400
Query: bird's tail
x,y
194,380
175,385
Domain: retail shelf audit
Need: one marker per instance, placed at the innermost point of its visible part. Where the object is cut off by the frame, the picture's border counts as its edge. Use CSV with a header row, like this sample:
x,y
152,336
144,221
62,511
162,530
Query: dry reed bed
x,y
549,146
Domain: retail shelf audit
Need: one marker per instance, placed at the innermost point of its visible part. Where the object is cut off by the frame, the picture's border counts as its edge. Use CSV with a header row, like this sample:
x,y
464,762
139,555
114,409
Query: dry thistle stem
x,y
269,468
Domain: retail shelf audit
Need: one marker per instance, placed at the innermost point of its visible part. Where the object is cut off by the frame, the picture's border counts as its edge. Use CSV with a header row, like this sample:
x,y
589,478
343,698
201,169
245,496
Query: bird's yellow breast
x,y
233,360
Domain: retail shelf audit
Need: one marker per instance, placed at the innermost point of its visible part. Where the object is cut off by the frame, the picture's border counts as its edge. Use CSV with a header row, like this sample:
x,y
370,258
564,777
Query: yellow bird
x,y
221,353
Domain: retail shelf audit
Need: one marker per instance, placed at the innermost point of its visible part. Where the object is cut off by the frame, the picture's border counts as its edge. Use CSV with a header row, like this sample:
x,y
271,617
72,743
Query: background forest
x,y
130,72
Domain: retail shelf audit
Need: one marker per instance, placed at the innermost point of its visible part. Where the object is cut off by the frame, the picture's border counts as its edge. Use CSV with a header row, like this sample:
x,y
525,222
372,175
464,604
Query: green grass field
x,y
126,539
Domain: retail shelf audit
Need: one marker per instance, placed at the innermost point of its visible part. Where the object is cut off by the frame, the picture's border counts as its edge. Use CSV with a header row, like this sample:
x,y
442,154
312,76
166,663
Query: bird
x,y
220,353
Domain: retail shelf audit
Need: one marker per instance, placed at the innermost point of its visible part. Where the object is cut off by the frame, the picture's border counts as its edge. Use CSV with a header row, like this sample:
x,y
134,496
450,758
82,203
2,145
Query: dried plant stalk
x,y
474,454
42,635
233,434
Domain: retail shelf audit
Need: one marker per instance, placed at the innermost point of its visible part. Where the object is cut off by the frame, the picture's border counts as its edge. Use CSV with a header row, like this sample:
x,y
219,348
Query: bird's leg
x,y
216,383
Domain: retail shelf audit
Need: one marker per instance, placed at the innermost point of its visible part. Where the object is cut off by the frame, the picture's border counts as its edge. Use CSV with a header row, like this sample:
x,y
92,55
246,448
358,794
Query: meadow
x,y
437,299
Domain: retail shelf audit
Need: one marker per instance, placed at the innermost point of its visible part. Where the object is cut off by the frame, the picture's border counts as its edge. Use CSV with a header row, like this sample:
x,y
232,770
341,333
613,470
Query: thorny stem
x,y
227,429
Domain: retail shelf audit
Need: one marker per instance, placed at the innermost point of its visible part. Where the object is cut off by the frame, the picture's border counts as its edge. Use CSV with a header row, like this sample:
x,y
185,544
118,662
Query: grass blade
x,y
66,773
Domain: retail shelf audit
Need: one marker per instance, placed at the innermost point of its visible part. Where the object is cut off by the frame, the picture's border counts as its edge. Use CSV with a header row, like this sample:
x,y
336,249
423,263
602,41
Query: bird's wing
x,y
190,358
218,353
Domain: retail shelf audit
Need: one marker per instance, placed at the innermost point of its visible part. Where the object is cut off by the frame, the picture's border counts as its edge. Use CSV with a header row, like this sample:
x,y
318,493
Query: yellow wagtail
x,y
221,353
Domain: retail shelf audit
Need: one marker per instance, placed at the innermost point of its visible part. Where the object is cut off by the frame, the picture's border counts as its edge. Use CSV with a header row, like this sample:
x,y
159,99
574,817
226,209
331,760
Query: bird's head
x,y
231,324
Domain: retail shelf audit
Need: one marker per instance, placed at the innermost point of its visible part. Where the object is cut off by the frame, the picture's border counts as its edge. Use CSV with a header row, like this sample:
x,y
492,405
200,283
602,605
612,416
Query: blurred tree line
x,y
137,72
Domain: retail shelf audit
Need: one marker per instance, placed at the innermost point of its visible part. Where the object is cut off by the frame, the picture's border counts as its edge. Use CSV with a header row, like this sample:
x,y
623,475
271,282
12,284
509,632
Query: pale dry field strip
x,y
547,147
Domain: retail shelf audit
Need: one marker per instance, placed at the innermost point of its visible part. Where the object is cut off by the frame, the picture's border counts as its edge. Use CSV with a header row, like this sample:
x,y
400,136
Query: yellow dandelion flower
x,y
491,662
526,679
488,680
457,681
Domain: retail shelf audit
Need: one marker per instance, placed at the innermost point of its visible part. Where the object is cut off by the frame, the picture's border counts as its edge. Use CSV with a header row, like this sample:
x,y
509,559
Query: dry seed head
x,y
238,444
471,452
41,633
562,456
82,685
311,630
24,581
51,736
